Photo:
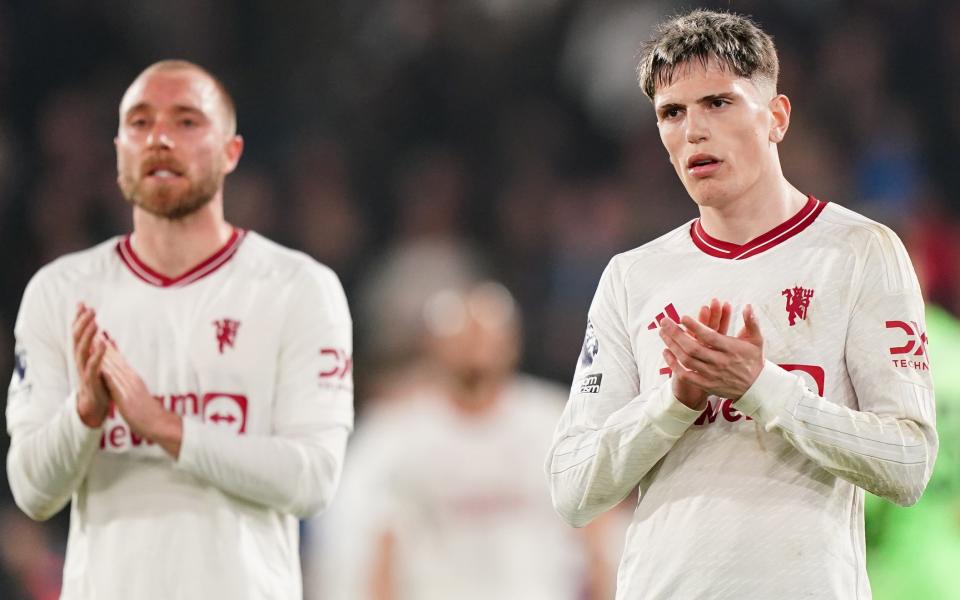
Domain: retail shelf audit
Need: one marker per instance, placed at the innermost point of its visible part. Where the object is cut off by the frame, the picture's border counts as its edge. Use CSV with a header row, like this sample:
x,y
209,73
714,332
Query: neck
x,y
759,210
171,247
475,396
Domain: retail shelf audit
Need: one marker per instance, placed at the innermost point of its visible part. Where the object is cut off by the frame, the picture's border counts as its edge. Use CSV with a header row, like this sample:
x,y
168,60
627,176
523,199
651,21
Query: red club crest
x,y
798,301
226,333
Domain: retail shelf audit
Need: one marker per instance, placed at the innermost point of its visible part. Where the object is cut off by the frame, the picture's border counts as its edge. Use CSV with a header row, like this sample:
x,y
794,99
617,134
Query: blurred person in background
x,y
27,558
188,387
751,452
443,495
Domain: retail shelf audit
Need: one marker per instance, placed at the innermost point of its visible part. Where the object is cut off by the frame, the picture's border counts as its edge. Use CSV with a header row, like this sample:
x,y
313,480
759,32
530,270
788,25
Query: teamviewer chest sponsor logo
x,y
725,409
225,411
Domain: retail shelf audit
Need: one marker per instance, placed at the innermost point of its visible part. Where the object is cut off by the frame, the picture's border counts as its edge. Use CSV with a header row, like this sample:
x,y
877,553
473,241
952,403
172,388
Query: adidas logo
x,y
668,311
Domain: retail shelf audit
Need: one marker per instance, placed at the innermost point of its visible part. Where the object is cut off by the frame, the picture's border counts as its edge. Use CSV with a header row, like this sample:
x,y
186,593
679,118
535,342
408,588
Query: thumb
x,y
751,326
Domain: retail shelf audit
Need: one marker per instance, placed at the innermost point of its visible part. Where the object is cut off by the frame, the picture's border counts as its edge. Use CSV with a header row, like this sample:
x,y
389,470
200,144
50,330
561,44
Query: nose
x,y
158,138
697,129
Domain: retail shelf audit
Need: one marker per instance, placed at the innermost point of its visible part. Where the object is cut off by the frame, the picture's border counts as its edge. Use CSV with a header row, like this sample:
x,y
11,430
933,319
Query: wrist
x,y
170,433
90,415
698,403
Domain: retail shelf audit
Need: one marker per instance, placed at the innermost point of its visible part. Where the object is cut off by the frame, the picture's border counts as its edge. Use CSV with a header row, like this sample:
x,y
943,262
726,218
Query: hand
x,y
717,318
145,416
93,398
711,361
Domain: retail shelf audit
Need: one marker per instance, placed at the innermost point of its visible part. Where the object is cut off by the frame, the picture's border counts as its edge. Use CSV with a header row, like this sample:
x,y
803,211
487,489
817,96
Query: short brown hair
x,y
734,41
174,64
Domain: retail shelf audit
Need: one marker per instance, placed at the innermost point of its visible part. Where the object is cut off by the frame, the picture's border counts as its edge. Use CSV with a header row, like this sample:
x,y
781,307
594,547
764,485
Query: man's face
x,y
173,144
717,128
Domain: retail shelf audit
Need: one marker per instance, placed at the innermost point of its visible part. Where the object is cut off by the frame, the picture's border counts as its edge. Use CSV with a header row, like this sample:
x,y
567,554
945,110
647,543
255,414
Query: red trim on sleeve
x,y
216,260
779,234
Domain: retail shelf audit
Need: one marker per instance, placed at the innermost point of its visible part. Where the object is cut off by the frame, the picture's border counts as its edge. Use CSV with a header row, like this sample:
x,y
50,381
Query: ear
x,y
780,118
232,152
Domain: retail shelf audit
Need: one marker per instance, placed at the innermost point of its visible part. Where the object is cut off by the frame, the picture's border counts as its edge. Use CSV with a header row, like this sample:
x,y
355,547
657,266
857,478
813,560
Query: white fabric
x,y
762,498
265,423
463,496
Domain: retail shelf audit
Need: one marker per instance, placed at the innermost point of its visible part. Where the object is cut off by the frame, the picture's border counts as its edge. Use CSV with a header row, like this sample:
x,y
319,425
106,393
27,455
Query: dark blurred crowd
x,y
512,131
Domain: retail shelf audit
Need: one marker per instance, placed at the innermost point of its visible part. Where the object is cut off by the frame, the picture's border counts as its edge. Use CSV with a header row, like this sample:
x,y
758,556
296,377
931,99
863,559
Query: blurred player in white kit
x,y
188,387
751,451
443,492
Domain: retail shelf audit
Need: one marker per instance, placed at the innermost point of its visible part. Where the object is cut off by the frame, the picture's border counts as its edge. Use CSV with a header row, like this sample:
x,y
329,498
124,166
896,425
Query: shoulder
x,y
876,246
674,242
851,227
267,258
69,269
282,267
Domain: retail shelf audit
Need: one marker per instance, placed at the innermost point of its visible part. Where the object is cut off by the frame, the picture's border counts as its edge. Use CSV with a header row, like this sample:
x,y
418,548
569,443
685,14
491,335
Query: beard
x,y
168,200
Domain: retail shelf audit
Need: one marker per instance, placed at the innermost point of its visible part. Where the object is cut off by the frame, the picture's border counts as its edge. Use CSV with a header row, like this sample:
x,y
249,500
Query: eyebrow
x,y
179,109
703,100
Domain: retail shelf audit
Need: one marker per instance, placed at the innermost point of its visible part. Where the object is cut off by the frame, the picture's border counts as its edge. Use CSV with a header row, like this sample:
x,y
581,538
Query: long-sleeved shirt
x,y
761,497
252,348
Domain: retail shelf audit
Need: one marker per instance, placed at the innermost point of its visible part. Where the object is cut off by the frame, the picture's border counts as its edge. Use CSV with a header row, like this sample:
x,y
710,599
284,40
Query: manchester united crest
x,y
798,302
226,333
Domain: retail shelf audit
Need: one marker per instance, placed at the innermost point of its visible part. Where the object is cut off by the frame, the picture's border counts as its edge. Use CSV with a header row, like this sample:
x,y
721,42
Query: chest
x,y
462,475
802,301
208,351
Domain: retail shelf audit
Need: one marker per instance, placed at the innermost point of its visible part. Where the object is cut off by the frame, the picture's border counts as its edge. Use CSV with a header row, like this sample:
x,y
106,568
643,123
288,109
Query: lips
x,y
162,168
702,165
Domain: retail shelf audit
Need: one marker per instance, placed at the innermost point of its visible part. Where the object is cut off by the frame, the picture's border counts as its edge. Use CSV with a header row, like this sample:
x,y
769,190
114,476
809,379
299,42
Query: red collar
x,y
779,234
206,267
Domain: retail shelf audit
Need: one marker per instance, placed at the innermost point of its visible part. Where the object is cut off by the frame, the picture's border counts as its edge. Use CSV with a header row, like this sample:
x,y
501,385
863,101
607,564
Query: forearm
x,y
294,475
888,455
592,469
46,463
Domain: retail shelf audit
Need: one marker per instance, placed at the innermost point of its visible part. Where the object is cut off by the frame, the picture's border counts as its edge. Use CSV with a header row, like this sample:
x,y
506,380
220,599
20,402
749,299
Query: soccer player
x,y
750,449
187,386
443,492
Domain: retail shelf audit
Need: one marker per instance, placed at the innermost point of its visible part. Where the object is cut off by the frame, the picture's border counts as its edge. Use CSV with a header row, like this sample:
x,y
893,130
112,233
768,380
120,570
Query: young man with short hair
x,y
750,452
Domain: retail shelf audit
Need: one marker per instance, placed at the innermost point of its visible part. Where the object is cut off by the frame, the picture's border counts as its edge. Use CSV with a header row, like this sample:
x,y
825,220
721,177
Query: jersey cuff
x,y
189,433
769,394
668,414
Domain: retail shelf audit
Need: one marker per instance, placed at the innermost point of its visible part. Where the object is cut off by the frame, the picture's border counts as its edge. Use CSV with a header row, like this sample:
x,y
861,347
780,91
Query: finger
x,y
108,339
688,351
707,336
670,330
82,348
110,359
715,314
117,385
751,326
704,315
92,368
725,314
682,372
113,387
80,323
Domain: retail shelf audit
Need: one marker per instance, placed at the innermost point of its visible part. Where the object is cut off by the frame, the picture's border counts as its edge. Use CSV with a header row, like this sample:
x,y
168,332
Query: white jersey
x,y
463,497
252,347
763,497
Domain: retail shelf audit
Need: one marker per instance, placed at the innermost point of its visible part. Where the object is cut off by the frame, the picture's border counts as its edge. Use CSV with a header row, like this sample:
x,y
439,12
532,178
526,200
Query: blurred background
x,y
414,145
